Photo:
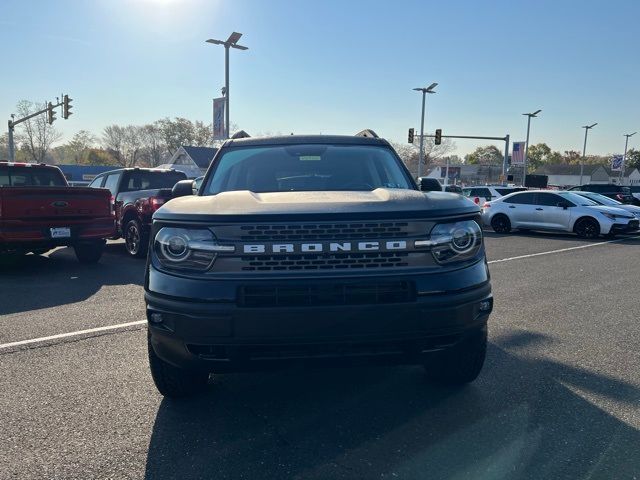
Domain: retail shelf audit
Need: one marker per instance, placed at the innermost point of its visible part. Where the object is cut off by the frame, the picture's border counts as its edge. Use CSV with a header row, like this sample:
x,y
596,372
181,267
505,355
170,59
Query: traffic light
x,y
438,138
66,106
51,114
411,132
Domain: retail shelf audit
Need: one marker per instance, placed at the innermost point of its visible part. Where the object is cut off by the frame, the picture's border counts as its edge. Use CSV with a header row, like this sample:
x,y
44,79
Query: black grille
x,y
334,261
343,231
327,294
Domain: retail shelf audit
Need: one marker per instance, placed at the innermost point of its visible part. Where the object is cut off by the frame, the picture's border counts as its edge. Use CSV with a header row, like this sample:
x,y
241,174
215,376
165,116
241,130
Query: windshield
x,y
307,167
146,180
601,199
31,177
578,199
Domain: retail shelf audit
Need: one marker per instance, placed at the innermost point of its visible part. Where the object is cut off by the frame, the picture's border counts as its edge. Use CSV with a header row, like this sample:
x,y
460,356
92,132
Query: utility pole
x,y
231,42
584,149
624,158
424,91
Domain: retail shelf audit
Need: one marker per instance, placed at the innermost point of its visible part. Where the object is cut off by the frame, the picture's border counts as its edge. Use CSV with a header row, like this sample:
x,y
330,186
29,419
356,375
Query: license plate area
x,y
60,232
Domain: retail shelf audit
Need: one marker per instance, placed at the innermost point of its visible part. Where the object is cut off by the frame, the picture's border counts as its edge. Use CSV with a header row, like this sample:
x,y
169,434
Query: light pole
x,y
526,145
624,158
231,42
584,149
424,91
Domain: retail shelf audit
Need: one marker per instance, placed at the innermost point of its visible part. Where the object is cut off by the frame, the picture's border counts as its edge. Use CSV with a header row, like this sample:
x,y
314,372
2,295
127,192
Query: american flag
x,y
517,156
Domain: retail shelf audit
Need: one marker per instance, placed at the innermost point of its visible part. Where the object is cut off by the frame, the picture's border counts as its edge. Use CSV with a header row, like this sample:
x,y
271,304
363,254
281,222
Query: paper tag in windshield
x,y
310,158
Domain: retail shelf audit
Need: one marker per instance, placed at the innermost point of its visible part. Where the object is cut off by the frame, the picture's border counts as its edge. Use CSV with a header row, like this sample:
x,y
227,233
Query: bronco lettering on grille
x,y
316,247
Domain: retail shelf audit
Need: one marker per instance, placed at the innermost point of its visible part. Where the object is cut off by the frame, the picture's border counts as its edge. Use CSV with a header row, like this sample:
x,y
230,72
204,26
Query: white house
x,y
569,175
193,161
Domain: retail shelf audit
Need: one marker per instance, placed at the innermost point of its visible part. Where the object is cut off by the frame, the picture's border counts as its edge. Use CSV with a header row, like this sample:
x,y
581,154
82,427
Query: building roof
x,y
562,169
201,155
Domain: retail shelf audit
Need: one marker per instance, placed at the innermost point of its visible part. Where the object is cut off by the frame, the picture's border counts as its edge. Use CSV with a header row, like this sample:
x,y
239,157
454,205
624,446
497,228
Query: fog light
x,y
485,305
155,317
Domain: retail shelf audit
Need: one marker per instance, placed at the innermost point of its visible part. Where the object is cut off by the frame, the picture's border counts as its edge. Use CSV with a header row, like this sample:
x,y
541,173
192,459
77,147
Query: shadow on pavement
x,y
523,418
39,281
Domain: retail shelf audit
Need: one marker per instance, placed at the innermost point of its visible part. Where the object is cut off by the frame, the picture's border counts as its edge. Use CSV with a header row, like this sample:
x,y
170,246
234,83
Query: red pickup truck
x,y
40,211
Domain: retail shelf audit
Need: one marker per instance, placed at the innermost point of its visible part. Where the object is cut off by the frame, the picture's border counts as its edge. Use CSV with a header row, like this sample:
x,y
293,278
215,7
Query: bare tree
x,y
153,145
80,145
202,134
37,135
123,143
432,153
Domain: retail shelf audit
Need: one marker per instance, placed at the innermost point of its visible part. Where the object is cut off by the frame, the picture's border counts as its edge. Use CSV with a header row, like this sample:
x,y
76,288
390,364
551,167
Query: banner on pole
x,y
617,163
218,118
517,153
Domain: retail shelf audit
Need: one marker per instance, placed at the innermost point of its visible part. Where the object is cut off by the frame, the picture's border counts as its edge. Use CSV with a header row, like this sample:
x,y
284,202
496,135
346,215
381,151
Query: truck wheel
x,y
136,240
460,364
89,252
174,382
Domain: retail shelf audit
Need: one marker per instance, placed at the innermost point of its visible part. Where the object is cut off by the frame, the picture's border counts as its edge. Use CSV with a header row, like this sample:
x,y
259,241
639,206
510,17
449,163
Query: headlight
x,y
454,242
187,249
613,216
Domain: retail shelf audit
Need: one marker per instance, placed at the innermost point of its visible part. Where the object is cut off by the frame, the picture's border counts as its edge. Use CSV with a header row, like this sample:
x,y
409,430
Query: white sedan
x,y
556,211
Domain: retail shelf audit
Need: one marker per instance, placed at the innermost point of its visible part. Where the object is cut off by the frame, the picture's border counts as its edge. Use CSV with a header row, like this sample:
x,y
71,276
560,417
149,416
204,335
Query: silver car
x,y
556,211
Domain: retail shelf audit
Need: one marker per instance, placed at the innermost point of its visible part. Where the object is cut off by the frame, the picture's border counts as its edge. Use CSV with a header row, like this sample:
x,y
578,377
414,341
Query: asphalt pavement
x,y
559,396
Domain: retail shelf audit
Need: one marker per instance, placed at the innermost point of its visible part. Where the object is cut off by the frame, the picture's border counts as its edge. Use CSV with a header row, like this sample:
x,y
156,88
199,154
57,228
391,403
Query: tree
x,y
154,149
489,155
202,134
177,132
432,153
633,159
36,135
4,146
123,143
79,145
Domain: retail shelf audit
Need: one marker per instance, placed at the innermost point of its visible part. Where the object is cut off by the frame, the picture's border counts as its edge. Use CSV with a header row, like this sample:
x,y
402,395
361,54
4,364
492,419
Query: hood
x,y
612,210
382,201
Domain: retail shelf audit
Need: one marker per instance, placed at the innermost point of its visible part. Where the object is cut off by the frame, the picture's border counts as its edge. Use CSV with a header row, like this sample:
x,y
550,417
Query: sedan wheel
x,y
501,224
587,228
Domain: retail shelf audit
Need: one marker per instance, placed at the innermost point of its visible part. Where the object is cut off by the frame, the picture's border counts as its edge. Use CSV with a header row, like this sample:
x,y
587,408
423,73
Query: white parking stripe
x,y
560,250
89,331
108,328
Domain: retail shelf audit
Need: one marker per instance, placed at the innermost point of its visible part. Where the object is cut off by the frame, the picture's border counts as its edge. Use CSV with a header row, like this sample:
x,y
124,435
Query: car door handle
x,y
511,206
538,208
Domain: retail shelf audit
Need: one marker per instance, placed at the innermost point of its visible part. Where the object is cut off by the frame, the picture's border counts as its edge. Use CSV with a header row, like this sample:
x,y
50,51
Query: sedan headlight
x,y
613,216
454,242
187,249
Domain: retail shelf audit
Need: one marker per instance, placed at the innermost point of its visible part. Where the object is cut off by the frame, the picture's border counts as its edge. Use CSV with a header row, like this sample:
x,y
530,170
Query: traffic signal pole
x,y
51,117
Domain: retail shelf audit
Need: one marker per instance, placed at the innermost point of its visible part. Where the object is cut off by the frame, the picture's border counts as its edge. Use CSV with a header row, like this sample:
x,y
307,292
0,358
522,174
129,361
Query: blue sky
x,y
335,66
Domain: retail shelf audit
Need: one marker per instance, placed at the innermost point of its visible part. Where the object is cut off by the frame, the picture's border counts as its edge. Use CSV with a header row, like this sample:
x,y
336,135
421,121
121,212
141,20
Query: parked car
x,y
40,211
617,192
429,184
137,193
602,200
280,259
486,193
556,211
635,193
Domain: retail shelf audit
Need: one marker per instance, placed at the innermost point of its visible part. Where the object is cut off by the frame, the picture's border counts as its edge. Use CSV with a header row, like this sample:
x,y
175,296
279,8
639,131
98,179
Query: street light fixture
x,y
231,42
584,149
424,91
624,158
526,146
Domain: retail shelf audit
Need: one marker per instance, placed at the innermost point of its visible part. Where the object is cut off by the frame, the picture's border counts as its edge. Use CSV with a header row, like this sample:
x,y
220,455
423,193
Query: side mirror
x,y
564,204
182,188
429,185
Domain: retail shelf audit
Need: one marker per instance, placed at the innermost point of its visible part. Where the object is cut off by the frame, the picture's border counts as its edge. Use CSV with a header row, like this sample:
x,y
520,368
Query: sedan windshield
x,y
578,199
601,199
307,167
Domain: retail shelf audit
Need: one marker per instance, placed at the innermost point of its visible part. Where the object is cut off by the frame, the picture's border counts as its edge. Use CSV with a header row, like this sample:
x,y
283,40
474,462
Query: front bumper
x,y
630,227
222,334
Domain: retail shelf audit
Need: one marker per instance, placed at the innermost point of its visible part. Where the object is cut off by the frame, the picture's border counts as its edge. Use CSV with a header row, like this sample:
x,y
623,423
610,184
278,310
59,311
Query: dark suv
x,y
617,192
314,249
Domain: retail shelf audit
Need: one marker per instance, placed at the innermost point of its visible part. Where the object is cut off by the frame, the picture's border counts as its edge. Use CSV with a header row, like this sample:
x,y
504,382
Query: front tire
x,y
460,364
587,228
174,382
136,240
89,252
501,223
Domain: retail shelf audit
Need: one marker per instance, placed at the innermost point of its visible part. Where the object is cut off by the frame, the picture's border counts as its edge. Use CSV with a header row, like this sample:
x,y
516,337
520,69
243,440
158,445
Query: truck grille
x,y
334,261
344,231
326,294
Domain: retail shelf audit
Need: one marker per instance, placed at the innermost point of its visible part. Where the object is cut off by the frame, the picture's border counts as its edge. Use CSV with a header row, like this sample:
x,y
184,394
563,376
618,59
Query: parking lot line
x,y
59,336
560,250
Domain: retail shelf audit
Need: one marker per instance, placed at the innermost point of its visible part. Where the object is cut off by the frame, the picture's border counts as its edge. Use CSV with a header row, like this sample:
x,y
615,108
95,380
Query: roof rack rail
x,y
240,134
367,132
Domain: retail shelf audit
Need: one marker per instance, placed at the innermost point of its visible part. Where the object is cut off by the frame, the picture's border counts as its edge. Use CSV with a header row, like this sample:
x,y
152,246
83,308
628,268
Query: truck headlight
x,y
187,248
454,242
